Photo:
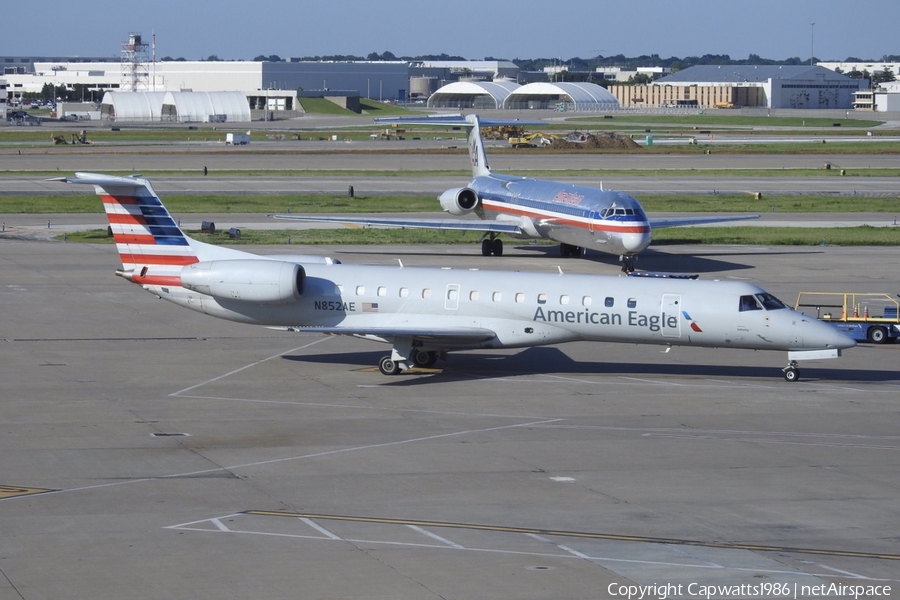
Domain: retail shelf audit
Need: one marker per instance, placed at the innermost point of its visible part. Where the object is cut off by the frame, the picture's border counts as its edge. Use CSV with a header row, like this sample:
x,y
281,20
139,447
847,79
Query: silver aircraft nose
x,y
633,243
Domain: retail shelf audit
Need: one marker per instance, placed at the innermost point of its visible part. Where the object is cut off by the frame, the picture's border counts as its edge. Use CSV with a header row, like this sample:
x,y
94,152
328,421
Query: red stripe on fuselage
x,y
512,209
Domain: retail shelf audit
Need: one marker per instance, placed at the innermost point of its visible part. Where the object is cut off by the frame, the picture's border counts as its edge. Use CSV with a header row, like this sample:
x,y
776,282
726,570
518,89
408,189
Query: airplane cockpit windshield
x,y
608,213
764,301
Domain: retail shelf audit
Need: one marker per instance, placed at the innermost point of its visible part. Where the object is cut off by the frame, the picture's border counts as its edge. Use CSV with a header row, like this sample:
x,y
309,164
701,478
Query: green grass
x,y
753,236
325,203
734,120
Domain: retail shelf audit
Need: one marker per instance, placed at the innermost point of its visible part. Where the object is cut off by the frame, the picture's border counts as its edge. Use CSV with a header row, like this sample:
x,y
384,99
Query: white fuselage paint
x,y
525,309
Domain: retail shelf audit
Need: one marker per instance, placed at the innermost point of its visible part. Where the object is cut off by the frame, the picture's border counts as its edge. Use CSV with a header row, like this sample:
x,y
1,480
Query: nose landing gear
x,y
791,372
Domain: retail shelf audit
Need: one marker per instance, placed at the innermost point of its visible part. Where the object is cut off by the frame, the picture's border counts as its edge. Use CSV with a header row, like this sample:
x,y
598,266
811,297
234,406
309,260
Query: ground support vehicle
x,y
865,317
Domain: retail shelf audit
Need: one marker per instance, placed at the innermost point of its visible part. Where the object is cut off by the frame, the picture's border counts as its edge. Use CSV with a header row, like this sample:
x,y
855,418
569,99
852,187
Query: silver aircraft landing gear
x,y
791,372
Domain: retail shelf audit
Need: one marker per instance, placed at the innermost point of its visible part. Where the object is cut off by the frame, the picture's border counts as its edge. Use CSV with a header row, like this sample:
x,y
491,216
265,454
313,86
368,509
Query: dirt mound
x,y
590,141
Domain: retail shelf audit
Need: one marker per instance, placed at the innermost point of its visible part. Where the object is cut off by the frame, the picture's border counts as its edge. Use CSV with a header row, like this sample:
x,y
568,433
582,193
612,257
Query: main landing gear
x,y
492,245
628,263
567,250
394,362
791,372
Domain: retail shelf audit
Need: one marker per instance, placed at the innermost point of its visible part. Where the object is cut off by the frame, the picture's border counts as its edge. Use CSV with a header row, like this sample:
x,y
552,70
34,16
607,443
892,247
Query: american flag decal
x,y
370,307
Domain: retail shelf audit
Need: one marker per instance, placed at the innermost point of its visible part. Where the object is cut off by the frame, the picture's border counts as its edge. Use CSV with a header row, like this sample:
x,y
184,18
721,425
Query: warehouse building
x,y
732,86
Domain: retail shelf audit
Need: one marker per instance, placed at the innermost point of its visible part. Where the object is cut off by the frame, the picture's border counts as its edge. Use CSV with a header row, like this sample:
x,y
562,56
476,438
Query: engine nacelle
x,y
459,201
246,280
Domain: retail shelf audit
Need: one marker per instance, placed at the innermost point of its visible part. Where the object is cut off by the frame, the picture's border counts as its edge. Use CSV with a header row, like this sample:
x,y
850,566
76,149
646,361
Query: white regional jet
x,y
426,312
577,216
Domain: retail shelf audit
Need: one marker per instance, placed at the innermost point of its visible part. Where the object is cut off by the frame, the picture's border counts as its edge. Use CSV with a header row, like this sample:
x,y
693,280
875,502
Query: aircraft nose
x,y
635,242
831,337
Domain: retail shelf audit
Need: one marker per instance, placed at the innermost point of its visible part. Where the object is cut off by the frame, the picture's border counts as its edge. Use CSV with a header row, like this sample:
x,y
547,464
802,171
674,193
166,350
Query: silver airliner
x,y
424,313
577,216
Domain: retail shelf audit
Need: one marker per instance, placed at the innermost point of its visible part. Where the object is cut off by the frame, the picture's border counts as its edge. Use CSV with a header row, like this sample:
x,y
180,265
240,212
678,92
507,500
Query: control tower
x,y
135,64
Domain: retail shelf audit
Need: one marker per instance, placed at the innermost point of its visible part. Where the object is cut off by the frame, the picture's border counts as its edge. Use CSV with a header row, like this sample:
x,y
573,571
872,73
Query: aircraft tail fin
x,y
473,123
477,154
147,237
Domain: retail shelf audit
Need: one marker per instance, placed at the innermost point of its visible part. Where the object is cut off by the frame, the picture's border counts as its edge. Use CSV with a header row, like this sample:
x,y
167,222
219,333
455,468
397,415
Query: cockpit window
x,y
749,303
769,301
764,301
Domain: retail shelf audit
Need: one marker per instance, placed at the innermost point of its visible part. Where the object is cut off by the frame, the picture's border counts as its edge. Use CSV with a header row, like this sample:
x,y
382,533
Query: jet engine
x,y
246,280
459,201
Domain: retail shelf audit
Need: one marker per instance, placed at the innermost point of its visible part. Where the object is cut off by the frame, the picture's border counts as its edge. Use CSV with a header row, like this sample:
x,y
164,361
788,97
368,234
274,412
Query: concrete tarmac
x,y
152,452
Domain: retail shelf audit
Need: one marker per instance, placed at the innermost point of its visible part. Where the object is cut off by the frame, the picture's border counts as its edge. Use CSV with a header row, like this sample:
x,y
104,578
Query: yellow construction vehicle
x,y
532,140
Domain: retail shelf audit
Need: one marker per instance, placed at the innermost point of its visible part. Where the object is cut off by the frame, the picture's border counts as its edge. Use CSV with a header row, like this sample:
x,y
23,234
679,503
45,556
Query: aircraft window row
x,y
750,302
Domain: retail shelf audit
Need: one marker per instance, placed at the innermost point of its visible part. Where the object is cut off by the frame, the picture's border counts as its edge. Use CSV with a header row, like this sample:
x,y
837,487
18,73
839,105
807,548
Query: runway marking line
x,y
12,491
576,534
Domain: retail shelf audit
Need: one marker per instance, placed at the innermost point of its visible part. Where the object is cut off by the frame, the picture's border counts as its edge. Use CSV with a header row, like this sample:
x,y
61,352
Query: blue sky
x,y
230,29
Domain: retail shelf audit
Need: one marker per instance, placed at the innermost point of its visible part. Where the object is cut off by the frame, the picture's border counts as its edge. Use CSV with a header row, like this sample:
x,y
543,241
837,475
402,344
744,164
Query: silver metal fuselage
x,y
605,220
523,309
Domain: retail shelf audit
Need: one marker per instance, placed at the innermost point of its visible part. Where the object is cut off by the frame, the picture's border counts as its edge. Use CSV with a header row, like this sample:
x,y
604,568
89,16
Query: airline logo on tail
x,y
152,247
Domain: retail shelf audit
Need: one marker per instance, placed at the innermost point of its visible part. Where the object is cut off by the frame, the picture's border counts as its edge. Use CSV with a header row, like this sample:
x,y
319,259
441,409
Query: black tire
x,y
791,374
486,247
424,358
497,247
877,335
388,366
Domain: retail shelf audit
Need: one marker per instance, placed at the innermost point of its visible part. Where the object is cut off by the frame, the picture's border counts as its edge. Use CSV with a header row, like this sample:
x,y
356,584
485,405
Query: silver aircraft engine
x,y
246,280
459,201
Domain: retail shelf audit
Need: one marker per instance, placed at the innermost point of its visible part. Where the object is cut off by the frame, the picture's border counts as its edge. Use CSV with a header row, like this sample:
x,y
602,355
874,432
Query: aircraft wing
x,y
445,335
688,220
405,223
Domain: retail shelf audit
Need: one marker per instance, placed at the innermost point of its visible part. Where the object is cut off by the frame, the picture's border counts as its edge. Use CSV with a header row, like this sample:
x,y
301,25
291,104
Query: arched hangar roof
x,y
578,96
187,107
472,94
128,107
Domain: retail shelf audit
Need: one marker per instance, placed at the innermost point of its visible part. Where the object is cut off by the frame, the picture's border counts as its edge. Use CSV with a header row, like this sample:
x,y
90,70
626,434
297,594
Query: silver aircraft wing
x,y
409,223
697,220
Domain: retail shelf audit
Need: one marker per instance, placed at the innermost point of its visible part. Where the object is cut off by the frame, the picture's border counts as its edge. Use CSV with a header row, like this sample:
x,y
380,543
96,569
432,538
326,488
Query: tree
x,y
640,79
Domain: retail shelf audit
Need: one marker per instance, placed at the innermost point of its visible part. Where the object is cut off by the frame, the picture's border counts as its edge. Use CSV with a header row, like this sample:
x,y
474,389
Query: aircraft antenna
x,y
560,269
400,262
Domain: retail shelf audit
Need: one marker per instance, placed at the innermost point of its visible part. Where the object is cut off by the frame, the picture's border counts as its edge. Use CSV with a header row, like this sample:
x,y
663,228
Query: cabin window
x,y
404,292
497,297
520,298
360,290
426,293
542,298
452,293
749,303
632,303
587,301
382,291
564,299
473,295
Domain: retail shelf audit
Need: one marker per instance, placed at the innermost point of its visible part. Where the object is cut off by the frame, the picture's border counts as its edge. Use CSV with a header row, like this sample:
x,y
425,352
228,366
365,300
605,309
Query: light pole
x,y
812,38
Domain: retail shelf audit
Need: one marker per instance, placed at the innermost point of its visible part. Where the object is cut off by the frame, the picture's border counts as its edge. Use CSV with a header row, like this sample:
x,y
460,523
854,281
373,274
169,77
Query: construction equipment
x,y
532,140
865,317
502,132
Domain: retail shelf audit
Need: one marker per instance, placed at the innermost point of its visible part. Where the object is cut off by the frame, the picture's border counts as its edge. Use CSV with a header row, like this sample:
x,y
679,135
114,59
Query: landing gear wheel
x,y
497,247
628,264
791,373
424,358
877,335
388,366
486,249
